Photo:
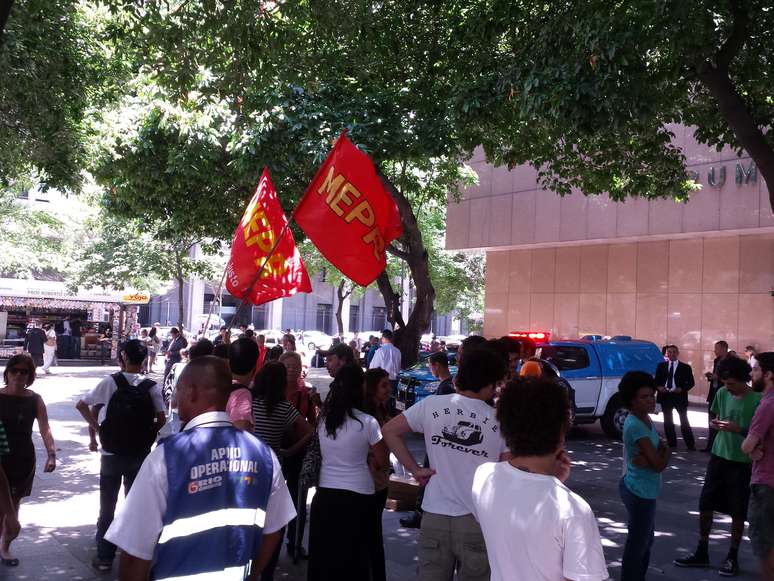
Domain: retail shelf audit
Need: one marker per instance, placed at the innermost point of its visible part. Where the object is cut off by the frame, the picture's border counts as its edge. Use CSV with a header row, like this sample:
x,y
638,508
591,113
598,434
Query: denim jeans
x,y
642,524
113,469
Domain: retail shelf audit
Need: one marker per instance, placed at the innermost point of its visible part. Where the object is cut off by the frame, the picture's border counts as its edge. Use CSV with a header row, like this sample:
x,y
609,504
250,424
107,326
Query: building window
x,y
379,318
354,318
325,318
260,316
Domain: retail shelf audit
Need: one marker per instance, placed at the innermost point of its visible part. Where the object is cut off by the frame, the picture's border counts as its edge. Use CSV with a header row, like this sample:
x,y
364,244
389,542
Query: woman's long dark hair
x,y
371,406
345,397
270,384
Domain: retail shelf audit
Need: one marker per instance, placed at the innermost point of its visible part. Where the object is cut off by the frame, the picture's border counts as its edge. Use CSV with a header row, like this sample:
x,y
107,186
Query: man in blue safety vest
x,y
209,500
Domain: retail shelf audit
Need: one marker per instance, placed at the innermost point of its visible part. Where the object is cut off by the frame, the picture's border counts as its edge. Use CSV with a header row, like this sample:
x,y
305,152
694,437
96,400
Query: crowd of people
x,y
217,462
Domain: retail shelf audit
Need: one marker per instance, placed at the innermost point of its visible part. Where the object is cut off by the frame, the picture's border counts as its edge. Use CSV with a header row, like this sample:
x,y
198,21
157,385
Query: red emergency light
x,y
543,336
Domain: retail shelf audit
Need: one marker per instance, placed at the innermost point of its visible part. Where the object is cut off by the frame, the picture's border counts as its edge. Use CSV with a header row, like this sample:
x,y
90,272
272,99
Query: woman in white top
x,y
339,539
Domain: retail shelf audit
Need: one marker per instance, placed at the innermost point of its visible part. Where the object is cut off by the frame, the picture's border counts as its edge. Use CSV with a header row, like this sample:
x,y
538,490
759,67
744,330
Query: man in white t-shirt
x,y
536,529
461,433
121,465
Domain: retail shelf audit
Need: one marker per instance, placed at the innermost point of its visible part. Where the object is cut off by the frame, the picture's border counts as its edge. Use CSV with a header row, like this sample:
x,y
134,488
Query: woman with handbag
x,y
339,534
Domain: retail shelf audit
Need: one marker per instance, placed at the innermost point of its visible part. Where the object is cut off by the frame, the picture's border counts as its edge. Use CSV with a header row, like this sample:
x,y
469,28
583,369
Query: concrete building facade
x,y
684,273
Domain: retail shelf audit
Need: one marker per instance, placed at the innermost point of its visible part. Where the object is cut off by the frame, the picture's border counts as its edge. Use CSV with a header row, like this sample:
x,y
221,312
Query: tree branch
x,y
395,251
737,38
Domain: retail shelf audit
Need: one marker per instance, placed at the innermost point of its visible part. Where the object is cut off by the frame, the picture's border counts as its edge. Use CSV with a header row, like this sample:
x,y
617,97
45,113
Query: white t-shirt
x,y
138,524
535,528
345,459
105,389
387,357
461,433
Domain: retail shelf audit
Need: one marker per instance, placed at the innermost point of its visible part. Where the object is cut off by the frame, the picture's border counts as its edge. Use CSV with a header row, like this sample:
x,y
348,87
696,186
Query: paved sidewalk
x,y
59,518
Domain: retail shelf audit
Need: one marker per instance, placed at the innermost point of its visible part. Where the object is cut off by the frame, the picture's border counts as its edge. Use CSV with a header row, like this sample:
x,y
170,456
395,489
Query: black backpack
x,y
129,427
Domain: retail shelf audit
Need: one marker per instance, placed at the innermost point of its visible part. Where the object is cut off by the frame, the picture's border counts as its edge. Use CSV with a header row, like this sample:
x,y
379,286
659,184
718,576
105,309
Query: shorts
x,y
762,519
726,487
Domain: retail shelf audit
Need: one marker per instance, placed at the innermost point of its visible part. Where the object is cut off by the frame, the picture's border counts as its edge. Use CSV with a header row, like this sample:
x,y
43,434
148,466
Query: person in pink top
x,y
243,357
759,445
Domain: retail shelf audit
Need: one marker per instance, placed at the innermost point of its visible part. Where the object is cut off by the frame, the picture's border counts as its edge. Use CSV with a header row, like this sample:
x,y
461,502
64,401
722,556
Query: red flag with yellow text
x,y
284,274
348,215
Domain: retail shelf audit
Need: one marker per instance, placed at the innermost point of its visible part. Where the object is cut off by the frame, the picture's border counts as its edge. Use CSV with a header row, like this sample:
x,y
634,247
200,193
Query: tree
x,y
57,71
584,91
168,179
32,241
294,76
130,252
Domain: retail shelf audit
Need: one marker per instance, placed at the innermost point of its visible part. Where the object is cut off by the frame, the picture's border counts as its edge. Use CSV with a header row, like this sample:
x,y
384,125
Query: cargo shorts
x,y
447,543
761,515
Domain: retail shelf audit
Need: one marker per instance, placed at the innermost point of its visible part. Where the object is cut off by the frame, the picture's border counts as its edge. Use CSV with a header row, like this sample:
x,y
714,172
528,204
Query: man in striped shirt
x,y
7,508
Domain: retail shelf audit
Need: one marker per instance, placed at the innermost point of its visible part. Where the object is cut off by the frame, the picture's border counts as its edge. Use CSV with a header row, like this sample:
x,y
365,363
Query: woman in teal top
x,y
646,455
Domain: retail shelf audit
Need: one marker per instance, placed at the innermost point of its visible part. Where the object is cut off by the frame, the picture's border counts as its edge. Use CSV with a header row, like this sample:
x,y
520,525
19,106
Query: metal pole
x,y
214,299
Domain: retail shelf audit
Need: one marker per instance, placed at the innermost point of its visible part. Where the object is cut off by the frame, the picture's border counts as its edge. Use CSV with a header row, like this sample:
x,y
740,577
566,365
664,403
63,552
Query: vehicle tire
x,y
615,416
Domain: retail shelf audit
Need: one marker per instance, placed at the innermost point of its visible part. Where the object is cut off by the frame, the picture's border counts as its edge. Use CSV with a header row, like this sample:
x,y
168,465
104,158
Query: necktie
x,y
671,377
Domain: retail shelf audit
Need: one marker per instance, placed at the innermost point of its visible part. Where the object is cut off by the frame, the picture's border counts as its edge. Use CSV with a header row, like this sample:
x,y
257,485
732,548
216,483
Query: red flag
x,y
254,238
348,215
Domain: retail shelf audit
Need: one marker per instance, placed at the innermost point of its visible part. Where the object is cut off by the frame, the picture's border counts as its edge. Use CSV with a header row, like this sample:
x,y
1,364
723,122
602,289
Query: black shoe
x,y
693,560
412,522
101,565
729,568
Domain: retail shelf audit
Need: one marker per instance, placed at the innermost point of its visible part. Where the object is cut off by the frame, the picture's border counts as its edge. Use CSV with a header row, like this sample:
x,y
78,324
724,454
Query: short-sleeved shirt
x,y
559,541
762,427
138,524
240,405
345,457
270,428
461,433
642,482
105,389
739,410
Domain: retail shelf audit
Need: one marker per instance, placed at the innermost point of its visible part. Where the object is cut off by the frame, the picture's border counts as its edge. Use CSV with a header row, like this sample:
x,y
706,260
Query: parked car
x,y
313,340
594,368
273,338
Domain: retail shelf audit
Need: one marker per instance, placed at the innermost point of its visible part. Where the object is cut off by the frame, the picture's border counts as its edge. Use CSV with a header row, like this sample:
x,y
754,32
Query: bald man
x,y
210,499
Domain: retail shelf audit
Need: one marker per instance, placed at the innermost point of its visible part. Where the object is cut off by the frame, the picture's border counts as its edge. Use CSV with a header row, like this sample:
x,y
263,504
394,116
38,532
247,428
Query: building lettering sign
x,y
717,175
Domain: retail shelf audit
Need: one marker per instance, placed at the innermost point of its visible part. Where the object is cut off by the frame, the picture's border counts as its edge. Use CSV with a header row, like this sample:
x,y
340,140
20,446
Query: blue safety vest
x,y
219,481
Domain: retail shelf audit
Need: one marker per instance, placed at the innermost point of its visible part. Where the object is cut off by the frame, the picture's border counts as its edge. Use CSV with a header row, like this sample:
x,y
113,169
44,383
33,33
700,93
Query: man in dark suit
x,y
177,344
673,380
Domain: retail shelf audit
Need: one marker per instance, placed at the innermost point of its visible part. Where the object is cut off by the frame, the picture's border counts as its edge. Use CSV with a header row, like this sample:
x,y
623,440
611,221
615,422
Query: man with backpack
x,y
130,414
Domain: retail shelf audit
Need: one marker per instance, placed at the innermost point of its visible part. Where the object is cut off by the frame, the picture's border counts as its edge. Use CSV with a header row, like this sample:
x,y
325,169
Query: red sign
x,y
348,215
256,235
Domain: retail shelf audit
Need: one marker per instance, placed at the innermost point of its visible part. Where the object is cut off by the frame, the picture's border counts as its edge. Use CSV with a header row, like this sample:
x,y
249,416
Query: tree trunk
x,y
181,305
715,76
732,107
408,334
341,295
180,289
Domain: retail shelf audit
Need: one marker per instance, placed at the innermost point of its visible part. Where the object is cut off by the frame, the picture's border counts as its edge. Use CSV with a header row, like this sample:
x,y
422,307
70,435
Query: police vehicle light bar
x,y
534,335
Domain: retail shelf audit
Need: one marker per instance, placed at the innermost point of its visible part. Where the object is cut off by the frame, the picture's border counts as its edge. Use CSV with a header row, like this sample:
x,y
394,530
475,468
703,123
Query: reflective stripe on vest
x,y
232,573
219,481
